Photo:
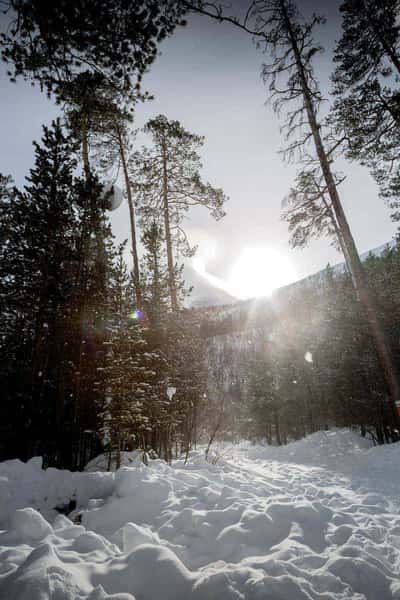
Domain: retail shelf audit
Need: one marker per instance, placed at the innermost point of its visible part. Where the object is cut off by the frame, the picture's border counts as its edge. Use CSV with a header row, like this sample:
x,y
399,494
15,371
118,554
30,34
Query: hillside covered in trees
x,y
302,361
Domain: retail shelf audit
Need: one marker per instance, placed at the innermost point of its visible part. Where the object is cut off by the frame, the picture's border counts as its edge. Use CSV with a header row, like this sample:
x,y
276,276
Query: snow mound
x,y
303,522
127,459
27,484
321,449
29,525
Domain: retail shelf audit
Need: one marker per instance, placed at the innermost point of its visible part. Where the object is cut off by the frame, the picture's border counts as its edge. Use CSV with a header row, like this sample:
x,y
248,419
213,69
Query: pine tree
x,y
15,339
175,335
369,45
52,43
134,375
155,277
100,116
280,30
265,403
9,258
86,111
112,142
168,183
309,212
90,313
43,239
291,77
367,111
58,254
187,375
87,366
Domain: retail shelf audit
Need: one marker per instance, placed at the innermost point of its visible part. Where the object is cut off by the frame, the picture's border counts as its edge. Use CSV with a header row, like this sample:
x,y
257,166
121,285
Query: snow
x,y
100,463
317,519
29,525
28,485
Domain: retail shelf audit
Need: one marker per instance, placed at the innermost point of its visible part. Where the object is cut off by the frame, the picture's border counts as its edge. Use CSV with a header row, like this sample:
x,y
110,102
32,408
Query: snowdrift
x,y
317,519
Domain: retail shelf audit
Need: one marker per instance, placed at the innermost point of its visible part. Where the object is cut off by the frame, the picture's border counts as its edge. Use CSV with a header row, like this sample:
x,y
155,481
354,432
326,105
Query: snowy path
x,y
261,524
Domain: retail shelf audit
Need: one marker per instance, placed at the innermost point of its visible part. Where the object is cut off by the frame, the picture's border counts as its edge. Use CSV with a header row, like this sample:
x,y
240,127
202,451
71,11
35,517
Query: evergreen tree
x,y
82,367
369,46
57,251
187,375
100,115
291,42
86,109
367,112
90,313
175,335
265,404
309,213
15,339
135,376
43,240
112,141
168,183
52,43
280,31
155,277
311,365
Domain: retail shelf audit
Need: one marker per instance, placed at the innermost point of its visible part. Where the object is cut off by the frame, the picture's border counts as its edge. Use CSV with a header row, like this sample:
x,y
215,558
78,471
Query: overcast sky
x,y
208,77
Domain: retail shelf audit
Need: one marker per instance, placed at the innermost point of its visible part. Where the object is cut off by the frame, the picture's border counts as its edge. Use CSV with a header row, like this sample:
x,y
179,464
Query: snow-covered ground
x,y
317,519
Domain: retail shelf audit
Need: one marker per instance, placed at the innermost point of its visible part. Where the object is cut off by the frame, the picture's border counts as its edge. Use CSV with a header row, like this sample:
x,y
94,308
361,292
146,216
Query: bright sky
x,y
208,77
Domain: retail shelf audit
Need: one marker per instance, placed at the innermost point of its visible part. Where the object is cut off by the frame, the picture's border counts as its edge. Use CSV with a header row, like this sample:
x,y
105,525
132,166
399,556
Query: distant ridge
x,y
341,267
218,300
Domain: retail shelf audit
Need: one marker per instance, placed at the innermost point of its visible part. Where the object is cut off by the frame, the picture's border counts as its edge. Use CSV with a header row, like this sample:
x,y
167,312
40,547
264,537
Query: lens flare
x,y
136,315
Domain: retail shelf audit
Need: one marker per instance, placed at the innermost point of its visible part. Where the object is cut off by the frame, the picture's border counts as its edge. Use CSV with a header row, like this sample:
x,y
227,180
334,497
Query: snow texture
x,y
317,519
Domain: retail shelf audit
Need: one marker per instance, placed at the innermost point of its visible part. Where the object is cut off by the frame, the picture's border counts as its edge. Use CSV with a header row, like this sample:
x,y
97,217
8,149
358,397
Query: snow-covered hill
x,y
207,296
317,519
341,267
245,315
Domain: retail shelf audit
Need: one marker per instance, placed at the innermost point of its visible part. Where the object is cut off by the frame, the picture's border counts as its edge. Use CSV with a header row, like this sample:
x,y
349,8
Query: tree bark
x,y
136,270
339,237
355,265
277,427
168,237
85,152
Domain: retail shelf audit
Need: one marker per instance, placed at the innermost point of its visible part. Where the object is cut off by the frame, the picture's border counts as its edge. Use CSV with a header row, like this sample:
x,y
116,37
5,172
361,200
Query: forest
x,y
100,348
305,361
200,300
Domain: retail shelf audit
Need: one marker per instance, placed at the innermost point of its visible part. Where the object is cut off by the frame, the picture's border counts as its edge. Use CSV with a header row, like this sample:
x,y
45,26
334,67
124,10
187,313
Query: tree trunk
x,y
85,152
355,265
339,236
168,237
136,270
277,427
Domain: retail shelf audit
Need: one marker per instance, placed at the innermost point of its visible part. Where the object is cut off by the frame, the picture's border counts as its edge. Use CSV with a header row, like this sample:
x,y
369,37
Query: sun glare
x,y
258,272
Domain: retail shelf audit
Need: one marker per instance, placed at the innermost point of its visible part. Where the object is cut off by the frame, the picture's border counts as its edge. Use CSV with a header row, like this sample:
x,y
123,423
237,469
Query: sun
x,y
259,271
256,273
